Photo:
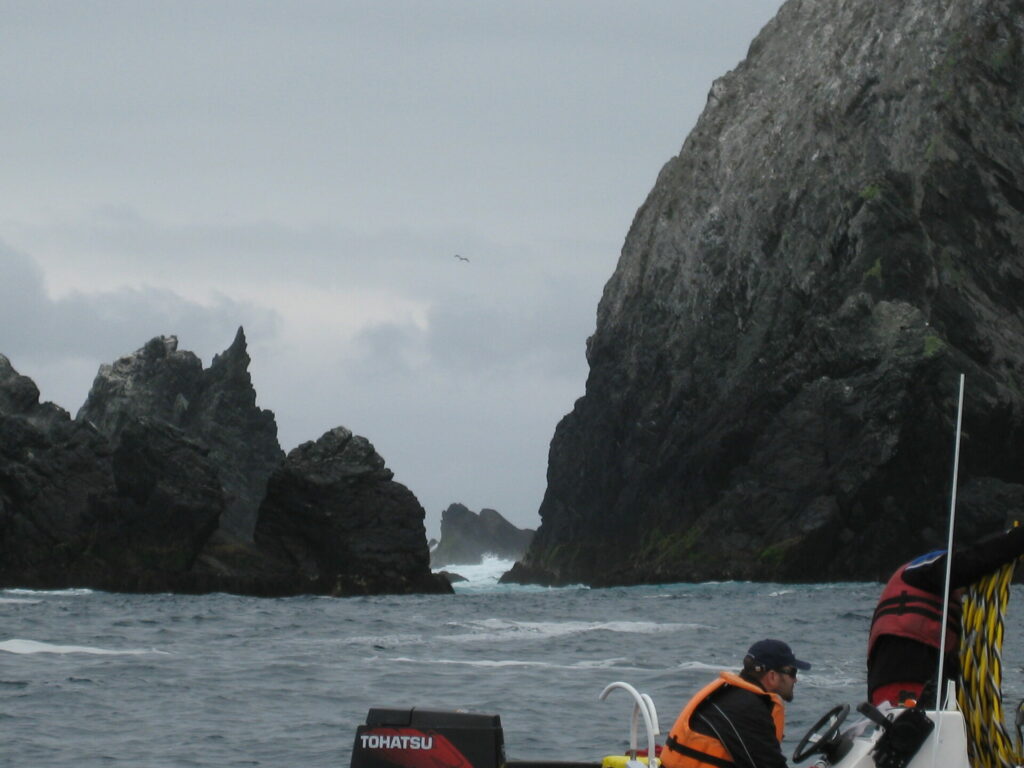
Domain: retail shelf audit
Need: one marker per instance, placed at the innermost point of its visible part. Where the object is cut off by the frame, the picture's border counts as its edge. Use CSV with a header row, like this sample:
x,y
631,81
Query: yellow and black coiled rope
x,y
980,693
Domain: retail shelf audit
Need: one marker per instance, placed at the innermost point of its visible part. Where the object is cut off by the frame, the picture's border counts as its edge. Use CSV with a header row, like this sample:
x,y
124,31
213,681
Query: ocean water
x,y
99,679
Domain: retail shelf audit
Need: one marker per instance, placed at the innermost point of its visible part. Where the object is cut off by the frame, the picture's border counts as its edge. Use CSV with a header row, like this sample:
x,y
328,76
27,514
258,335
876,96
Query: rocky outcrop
x,y
334,513
168,503
467,536
56,480
157,485
77,510
216,406
19,396
774,374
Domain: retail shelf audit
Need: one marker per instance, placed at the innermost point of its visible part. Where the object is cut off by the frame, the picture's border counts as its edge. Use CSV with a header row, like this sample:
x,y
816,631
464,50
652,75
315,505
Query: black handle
x,y
871,713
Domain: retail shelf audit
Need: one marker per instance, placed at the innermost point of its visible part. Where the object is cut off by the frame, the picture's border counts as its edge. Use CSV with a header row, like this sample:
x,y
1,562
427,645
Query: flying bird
x,y
461,258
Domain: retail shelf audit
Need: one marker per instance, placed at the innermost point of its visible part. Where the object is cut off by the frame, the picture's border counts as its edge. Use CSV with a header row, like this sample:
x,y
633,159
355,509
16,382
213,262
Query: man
x,y
738,720
903,646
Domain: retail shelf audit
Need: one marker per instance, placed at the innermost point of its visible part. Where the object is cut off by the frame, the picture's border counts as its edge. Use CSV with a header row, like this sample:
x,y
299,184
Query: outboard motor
x,y
420,738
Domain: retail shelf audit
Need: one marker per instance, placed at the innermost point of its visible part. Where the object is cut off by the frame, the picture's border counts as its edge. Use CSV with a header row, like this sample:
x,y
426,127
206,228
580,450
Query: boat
x,y
961,729
964,728
875,737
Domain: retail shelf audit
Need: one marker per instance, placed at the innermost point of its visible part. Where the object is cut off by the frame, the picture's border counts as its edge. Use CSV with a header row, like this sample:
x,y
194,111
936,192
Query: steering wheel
x,y
823,735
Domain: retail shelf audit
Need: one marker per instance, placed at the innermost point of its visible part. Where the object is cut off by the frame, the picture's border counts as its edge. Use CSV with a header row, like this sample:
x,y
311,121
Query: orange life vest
x,y
907,611
686,748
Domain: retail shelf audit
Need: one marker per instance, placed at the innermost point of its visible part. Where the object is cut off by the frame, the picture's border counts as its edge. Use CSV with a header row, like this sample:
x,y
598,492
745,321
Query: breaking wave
x,y
33,646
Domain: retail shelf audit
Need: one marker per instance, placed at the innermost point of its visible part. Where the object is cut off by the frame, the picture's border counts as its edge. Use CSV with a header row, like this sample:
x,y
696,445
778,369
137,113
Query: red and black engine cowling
x,y
420,738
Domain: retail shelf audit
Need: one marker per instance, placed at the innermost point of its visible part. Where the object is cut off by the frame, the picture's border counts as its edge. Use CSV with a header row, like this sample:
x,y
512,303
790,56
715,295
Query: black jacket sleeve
x,y
742,721
969,563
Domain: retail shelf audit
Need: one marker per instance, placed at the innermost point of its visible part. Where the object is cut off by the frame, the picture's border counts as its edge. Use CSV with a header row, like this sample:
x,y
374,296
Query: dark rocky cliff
x,y
467,536
377,545
166,473
774,373
216,406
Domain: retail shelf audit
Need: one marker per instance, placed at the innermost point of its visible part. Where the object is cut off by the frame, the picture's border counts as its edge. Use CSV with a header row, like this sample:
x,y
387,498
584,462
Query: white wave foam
x,y
33,646
484,577
700,665
474,663
498,630
58,592
506,630
830,682
484,574
616,664
20,600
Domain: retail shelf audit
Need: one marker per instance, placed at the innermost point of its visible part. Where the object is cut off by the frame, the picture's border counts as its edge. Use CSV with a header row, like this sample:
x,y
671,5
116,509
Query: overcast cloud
x,y
308,170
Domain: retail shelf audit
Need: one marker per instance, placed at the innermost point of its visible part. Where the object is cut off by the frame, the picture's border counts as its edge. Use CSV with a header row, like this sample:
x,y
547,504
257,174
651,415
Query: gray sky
x,y
308,170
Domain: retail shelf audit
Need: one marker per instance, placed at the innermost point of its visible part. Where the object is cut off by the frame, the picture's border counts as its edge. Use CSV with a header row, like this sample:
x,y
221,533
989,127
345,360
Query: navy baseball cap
x,y
775,654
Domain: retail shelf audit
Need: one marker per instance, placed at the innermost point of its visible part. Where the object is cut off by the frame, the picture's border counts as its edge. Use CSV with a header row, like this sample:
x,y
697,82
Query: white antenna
x,y
949,550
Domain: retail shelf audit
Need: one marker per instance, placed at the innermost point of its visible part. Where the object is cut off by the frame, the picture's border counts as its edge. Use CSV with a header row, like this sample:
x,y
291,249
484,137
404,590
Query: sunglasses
x,y
788,671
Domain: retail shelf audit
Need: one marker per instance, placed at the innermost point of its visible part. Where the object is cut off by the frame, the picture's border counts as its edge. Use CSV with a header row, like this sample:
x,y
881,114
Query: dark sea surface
x,y
98,679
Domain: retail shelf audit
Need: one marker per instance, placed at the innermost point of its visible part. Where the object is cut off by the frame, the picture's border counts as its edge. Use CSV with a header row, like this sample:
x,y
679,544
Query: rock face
x,y
56,485
335,514
466,537
216,406
774,374
78,510
158,484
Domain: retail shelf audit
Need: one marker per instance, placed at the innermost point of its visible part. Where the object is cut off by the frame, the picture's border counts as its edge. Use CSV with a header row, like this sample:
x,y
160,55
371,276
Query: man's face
x,y
781,681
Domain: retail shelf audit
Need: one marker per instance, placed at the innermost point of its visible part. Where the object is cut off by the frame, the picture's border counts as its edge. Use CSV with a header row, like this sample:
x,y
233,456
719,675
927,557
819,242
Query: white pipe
x,y
632,731
641,707
654,713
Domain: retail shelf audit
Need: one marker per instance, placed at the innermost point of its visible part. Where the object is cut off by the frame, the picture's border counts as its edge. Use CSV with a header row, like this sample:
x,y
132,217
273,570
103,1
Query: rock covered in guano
x,y
774,374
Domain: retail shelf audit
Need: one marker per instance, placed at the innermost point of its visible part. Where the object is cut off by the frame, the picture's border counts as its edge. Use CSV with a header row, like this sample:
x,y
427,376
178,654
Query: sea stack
x,y
467,537
774,373
171,479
